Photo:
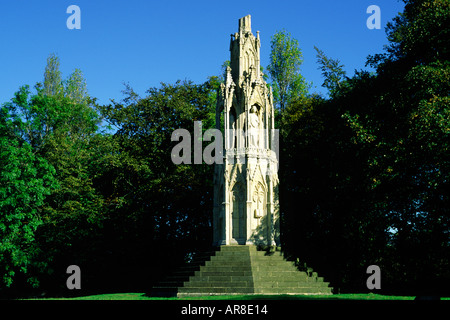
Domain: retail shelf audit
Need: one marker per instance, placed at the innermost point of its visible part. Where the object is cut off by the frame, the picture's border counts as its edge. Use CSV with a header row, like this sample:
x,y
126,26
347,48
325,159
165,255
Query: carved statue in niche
x,y
253,122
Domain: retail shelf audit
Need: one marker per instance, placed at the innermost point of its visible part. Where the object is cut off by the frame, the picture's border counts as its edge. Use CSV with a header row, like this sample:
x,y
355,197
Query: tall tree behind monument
x,y
52,76
284,69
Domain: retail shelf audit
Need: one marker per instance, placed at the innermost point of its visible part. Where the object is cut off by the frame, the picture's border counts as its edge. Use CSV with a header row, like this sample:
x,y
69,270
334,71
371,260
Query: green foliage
x,y
419,35
284,69
146,174
55,127
332,71
36,117
223,68
25,181
52,77
377,157
75,88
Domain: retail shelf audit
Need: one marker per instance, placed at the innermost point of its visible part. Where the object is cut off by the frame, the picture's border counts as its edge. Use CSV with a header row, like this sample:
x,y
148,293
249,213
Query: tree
x,y
153,204
57,106
36,117
75,88
332,71
25,181
418,36
60,127
52,77
371,164
284,69
408,119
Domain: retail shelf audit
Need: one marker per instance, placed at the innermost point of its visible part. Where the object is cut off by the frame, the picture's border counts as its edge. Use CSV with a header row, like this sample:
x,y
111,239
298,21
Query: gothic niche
x,y
238,222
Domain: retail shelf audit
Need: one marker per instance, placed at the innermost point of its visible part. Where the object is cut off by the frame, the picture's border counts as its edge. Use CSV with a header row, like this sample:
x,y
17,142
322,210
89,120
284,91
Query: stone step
x,y
255,277
246,257
245,290
221,278
288,284
241,270
208,272
247,267
261,263
233,277
277,284
218,284
210,290
293,290
220,272
237,248
255,281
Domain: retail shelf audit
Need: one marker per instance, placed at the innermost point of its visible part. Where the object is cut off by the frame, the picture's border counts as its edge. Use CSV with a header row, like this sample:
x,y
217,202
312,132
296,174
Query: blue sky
x,y
144,43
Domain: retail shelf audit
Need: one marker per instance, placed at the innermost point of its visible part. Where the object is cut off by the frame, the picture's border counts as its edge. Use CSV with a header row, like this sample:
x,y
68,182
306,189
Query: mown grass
x,y
143,296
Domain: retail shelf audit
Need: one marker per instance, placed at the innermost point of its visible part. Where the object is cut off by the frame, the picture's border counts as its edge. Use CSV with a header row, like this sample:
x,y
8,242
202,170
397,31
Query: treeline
x,y
74,193
364,172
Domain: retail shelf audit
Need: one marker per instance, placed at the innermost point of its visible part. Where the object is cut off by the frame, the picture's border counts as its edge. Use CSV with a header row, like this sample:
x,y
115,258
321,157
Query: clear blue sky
x,y
148,42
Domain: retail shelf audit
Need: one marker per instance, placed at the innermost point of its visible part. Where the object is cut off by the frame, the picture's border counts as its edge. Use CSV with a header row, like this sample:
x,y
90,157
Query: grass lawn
x,y
142,296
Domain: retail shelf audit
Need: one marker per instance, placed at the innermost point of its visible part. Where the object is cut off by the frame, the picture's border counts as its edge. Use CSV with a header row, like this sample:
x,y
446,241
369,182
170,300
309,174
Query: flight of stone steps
x,y
240,270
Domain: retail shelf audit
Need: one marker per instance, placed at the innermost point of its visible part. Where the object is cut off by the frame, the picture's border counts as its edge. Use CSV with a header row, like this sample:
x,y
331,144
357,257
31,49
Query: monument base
x,y
242,269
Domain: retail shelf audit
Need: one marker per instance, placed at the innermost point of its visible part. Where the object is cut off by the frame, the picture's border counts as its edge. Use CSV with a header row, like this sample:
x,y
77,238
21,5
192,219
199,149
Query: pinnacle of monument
x,y
245,24
245,53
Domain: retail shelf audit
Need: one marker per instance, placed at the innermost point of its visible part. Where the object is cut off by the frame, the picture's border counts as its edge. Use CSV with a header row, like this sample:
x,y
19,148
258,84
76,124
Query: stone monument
x,y
246,209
